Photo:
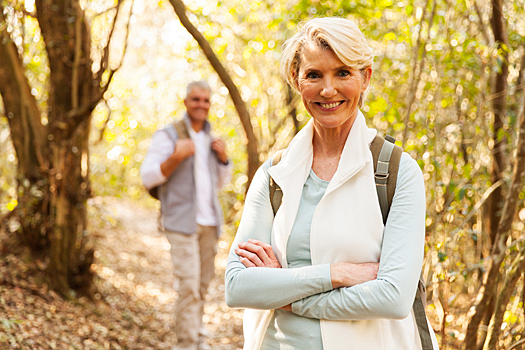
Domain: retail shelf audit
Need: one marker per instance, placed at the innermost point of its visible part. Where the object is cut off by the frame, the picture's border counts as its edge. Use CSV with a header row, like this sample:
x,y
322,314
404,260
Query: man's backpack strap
x,y
181,133
386,157
276,194
182,130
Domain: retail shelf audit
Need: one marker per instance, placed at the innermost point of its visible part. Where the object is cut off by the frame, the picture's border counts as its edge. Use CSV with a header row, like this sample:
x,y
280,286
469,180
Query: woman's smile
x,y
330,89
329,106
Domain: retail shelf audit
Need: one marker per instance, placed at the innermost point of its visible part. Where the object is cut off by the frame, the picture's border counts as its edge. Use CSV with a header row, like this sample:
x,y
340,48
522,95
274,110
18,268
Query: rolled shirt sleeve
x,y
162,146
392,294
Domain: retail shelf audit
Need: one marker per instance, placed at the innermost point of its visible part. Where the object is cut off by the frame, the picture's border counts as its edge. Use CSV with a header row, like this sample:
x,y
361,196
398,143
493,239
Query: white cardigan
x,y
343,230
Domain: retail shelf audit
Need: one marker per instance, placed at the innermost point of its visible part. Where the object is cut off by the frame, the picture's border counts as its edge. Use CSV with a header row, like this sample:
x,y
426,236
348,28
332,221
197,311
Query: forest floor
x,y
134,299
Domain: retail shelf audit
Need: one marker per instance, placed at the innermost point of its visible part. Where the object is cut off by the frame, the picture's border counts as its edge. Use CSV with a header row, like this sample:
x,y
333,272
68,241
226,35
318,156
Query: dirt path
x,y
134,258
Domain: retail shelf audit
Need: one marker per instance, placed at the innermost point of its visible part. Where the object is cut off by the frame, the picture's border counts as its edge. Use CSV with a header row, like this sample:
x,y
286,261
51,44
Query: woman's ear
x,y
295,77
367,75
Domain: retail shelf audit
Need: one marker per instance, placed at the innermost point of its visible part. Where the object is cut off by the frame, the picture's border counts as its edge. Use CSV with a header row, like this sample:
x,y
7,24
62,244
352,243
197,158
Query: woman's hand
x,y
348,274
255,253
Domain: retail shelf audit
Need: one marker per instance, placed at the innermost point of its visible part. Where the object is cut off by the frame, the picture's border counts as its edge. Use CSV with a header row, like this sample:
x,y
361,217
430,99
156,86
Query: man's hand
x,y
255,253
219,146
348,274
183,149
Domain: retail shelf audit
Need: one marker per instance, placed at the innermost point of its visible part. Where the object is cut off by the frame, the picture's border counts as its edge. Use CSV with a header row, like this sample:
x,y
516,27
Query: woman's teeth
x,y
330,105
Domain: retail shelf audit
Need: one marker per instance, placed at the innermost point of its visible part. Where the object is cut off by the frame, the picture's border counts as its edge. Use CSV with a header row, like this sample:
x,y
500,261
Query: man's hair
x,y
339,35
201,84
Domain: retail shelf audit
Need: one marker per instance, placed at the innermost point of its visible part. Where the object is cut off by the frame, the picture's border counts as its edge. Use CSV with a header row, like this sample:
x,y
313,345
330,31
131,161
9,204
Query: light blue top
x,y
286,329
308,288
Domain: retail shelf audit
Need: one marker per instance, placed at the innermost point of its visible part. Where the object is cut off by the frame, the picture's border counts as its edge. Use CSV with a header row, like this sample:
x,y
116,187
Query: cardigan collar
x,y
298,157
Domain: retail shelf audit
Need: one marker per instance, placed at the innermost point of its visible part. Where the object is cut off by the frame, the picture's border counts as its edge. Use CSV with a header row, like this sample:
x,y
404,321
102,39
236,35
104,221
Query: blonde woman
x,y
325,273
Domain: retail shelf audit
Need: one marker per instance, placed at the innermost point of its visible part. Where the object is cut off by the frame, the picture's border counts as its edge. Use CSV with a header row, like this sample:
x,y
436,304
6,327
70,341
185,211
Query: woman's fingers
x,y
246,262
253,258
264,251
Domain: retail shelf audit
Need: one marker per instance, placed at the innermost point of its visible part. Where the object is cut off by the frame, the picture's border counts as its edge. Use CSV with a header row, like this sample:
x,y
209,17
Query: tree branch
x,y
240,106
78,53
104,61
78,114
416,76
12,59
486,35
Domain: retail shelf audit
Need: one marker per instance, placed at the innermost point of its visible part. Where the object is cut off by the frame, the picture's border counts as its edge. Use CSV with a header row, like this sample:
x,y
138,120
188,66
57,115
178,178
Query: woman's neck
x,y
328,145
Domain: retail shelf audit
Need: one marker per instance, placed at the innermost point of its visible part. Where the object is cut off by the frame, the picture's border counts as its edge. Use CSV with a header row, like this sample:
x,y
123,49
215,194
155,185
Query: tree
x,y
244,115
51,138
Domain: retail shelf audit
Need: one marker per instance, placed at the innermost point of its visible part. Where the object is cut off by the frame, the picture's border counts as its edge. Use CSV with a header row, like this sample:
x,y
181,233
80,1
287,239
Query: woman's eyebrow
x,y
343,67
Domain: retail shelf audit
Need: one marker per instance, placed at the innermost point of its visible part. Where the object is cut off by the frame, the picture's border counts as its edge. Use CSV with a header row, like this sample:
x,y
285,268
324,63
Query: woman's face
x,y
330,90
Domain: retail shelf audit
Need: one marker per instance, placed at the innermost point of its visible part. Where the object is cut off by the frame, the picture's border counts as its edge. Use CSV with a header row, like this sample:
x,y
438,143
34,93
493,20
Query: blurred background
x,y
85,84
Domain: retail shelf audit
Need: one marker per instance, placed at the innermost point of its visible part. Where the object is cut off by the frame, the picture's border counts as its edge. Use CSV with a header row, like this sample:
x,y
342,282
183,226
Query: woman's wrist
x,y
348,274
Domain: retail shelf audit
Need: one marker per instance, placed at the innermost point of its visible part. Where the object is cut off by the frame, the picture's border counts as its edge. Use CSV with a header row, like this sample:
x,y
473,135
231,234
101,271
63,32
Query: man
x,y
188,172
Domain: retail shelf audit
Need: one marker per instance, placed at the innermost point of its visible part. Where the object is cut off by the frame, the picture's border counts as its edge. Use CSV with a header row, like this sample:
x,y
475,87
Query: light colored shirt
x,y
161,148
205,213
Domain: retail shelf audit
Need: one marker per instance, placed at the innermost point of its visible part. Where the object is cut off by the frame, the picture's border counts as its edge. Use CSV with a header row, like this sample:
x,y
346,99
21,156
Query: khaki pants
x,y
193,264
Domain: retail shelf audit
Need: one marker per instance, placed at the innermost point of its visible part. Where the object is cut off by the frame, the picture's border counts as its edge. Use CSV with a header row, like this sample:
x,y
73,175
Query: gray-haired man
x,y
188,170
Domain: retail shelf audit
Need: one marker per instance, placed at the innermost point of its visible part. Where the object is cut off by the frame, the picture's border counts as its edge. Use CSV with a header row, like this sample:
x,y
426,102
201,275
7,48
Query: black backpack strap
x,y
276,194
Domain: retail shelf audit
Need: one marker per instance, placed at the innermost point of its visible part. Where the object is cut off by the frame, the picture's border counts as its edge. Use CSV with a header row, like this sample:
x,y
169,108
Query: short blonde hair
x,y
340,35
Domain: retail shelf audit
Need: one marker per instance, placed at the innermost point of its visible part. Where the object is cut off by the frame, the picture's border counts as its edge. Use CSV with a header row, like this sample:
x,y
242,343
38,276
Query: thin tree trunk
x,y
502,300
495,203
497,228
240,106
28,136
418,68
505,225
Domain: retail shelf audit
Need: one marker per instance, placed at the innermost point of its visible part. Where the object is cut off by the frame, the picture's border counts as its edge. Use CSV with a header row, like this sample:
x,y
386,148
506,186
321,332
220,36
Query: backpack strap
x,y
182,130
276,194
420,315
386,157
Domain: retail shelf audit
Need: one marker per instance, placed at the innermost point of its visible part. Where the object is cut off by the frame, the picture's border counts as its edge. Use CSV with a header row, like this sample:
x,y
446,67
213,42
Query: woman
x,y
310,278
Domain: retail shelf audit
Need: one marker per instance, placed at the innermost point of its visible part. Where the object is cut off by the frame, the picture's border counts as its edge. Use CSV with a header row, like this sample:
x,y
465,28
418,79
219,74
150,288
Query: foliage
x,y
431,89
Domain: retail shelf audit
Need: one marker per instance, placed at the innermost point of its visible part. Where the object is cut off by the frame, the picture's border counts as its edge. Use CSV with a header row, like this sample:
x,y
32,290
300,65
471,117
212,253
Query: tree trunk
x,y
495,202
53,159
504,230
497,228
240,106
28,139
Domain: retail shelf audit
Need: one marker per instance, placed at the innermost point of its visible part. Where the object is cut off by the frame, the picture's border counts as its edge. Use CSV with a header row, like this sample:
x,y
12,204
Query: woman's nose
x,y
328,88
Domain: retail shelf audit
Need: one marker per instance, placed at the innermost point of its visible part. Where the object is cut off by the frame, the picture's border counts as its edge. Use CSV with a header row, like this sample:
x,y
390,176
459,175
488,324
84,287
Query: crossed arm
x,y
340,291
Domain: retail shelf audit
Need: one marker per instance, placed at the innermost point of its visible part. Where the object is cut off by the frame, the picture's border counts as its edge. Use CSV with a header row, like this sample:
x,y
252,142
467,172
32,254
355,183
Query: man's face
x,y
198,104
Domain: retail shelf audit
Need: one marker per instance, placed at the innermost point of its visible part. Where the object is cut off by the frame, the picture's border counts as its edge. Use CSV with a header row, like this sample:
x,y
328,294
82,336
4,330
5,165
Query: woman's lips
x,y
329,105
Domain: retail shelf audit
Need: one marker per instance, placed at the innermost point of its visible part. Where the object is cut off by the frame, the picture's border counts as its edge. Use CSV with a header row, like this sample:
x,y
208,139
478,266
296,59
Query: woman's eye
x,y
312,75
344,73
